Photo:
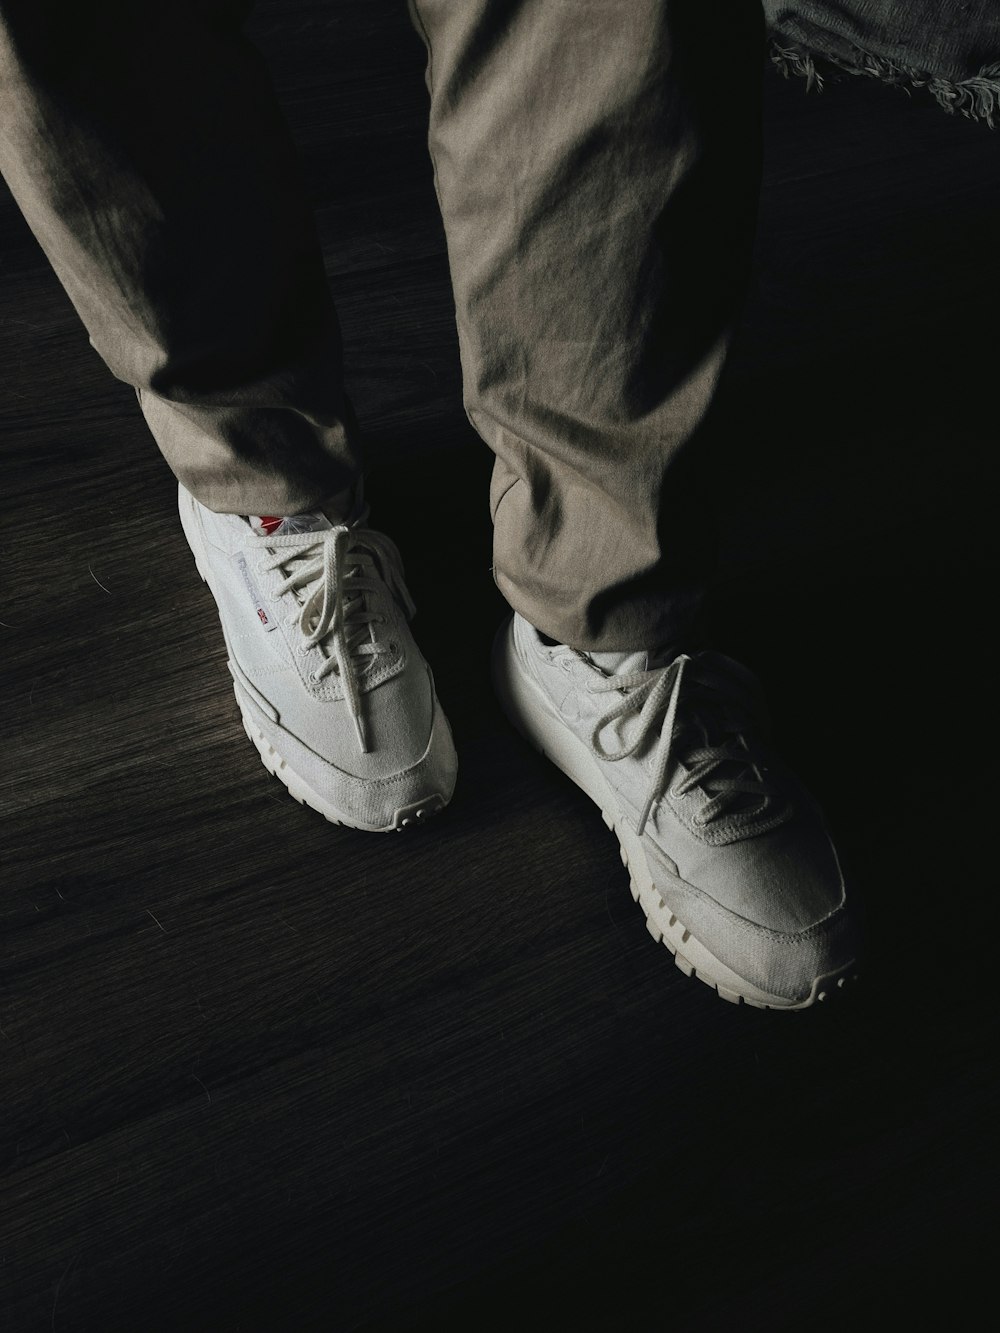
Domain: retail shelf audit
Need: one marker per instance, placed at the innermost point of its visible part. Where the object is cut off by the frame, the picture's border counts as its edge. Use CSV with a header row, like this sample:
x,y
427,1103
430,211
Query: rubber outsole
x,y
689,954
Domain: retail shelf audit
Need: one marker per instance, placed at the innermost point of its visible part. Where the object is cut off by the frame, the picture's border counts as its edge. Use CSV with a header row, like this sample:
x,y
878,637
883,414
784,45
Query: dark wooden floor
x,y
259,1072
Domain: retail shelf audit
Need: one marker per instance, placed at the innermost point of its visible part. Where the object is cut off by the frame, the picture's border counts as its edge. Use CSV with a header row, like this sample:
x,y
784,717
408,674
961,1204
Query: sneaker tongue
x,y
641,659
273,526
615,664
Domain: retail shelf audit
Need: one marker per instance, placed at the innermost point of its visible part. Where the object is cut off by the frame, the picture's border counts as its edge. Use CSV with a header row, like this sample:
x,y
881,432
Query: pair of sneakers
x,y
728,856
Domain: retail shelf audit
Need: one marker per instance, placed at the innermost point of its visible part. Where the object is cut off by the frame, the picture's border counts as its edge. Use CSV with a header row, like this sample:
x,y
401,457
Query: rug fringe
x,y
977,97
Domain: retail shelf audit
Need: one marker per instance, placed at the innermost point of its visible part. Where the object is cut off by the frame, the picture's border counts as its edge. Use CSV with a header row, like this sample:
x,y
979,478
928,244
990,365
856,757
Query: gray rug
x,y
947,48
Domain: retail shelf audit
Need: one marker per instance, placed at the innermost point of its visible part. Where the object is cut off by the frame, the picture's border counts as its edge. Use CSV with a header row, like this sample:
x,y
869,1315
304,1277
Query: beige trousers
x,y
596,163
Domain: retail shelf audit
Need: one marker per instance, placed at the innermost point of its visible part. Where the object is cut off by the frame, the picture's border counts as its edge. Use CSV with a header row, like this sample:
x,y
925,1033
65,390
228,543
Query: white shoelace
x,y
331,572
648,693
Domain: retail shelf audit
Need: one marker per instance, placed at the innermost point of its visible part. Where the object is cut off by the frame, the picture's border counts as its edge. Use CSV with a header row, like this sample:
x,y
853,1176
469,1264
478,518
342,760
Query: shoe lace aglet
x,y
643,818
362,731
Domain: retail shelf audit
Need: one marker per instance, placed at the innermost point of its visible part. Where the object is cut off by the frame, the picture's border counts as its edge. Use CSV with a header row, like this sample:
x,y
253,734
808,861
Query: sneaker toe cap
x,y
773,908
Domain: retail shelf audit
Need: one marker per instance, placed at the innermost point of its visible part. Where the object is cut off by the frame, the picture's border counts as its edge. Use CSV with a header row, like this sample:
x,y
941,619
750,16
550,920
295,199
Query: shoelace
x,y
649,693
335,568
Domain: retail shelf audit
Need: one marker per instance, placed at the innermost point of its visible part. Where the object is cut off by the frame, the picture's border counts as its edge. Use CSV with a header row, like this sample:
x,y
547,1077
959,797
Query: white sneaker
x,y
333,690
729,856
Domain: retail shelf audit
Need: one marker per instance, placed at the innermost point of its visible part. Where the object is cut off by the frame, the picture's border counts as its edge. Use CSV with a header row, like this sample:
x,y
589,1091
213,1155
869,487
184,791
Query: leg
x,y
165,192
166,196
597,167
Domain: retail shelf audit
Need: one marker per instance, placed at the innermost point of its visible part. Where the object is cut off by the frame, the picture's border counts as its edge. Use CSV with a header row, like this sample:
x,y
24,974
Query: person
x,y
597,168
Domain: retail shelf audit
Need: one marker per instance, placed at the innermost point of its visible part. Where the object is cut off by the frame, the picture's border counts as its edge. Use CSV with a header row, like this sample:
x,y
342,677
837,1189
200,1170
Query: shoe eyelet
x,y
676,795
